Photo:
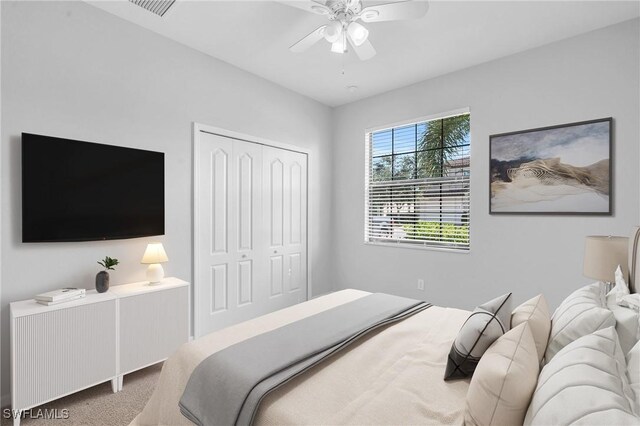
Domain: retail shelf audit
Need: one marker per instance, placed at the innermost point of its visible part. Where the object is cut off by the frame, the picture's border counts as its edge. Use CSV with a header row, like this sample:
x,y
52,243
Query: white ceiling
x,y
255,36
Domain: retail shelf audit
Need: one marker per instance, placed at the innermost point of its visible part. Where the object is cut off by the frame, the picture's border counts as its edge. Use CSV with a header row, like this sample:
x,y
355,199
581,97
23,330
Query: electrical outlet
x,y
420,284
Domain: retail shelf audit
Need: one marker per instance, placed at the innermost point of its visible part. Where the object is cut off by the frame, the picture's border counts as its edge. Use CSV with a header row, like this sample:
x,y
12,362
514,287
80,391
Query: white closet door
x,y
251,225
230,198
285,225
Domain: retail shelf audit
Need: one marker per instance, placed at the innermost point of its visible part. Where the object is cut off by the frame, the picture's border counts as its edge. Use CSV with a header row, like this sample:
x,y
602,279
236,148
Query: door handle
x,y
244,256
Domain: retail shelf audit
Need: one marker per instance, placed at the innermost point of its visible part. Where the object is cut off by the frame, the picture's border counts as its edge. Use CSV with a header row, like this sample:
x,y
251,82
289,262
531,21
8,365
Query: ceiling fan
x,y
344,29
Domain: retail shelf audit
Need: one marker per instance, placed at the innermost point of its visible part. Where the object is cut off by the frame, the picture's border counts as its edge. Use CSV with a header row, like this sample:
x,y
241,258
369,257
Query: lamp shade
x,y
602,255
154,254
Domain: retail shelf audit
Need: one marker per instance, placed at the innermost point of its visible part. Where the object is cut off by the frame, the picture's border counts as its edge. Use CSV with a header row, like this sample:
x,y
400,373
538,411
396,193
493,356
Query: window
x,y
417,184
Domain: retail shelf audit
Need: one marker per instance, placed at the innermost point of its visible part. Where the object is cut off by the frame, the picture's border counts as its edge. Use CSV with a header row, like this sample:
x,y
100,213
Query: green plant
x,y
108,263
436,231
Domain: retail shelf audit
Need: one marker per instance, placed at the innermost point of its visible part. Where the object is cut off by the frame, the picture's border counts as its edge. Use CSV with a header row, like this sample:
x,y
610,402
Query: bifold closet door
x,y
285,225
230,197
251,225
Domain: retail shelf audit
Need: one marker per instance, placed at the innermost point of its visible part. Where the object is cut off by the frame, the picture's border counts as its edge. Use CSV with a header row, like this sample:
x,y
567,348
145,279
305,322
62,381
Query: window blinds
x,y
417,184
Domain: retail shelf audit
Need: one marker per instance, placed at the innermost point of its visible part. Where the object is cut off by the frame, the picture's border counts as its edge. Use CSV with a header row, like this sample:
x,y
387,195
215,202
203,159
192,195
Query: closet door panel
x,y
248,209
276,276
245,282
295,205
297,219
274,216
295,276
230,205
276,195
219,285
246,192
286,195
219,187
214,221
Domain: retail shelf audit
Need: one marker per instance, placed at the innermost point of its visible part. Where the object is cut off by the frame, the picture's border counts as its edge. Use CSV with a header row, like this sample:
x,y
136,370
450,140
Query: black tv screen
x,y
82,191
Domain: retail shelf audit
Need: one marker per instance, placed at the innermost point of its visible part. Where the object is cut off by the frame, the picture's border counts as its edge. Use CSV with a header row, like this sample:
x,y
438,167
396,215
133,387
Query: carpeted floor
x,y
98,405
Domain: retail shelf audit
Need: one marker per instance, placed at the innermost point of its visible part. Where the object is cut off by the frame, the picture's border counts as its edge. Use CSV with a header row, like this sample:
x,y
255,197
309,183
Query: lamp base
x,y
155,274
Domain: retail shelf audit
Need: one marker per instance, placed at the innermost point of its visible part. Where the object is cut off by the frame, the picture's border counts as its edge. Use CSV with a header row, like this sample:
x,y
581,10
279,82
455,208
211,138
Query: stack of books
x,y
60,296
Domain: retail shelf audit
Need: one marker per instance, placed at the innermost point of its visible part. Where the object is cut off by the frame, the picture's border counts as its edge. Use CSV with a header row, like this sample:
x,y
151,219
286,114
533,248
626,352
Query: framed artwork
x,y
563,169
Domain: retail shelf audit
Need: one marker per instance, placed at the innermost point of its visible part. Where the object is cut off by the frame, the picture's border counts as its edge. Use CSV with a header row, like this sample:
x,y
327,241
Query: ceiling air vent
x,y
159,7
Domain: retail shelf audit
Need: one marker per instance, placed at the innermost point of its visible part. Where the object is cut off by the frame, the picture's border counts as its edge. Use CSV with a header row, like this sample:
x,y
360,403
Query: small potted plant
x,y
102,278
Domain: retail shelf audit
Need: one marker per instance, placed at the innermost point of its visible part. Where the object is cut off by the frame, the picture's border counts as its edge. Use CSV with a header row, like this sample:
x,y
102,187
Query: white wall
x,y
74,71
591,76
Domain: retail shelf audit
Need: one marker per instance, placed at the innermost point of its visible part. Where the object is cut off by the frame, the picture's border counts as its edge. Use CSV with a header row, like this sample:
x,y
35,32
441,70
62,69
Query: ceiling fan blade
x,y
364,51
394,11
309,40
317,7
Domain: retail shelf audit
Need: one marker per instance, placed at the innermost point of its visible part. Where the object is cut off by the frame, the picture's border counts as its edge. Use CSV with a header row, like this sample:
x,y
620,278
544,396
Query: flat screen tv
x,y
82,191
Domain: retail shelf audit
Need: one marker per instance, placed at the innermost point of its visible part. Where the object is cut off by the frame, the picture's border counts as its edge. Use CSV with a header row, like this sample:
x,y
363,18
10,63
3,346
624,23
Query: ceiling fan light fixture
x,y
339,46
342,30
358,33
333,31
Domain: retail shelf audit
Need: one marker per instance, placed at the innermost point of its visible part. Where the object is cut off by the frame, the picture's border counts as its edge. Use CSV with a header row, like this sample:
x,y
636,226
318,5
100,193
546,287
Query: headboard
x,y
634,260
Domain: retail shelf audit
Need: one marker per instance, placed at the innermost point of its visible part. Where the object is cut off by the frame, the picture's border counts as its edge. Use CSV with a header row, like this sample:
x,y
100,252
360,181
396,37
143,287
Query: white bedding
x,y
393,376
585,383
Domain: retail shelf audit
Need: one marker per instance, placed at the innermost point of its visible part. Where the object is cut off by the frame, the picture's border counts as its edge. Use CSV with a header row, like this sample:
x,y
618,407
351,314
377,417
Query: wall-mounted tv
x,y
83,191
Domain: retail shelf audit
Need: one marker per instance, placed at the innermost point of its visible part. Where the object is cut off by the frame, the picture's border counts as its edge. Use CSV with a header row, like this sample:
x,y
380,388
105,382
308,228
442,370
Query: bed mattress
x,y
392,376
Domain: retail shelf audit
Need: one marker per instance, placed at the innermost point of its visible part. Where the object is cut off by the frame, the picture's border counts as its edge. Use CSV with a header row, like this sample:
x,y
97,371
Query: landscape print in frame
x,y
563,169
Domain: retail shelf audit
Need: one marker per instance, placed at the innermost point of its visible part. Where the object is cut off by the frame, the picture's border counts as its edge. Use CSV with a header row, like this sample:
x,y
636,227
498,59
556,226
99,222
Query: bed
x,y
392,375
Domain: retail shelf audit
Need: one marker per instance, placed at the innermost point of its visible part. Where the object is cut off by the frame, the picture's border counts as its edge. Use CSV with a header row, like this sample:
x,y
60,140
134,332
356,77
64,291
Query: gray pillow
x,y
487,322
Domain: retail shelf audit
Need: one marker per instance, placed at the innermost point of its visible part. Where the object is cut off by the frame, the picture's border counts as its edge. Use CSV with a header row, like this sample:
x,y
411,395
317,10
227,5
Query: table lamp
x,y
154,255
602,255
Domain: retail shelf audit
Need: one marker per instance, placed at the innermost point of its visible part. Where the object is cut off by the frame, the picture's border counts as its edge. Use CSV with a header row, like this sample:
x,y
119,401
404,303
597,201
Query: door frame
x,y
197,129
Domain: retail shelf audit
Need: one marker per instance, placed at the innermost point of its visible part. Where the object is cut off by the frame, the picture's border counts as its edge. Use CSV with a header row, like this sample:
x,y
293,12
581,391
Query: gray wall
x,y
74,71
591,76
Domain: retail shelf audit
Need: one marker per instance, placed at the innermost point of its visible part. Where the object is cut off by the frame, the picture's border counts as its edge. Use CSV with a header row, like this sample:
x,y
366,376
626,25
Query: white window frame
x,y
367,171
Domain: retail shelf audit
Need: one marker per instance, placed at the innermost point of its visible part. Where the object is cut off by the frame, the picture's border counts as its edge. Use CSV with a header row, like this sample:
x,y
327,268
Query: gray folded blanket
x,y
227,387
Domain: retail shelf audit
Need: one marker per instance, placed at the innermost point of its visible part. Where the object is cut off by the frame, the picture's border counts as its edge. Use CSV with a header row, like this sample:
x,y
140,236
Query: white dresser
x,y
61,349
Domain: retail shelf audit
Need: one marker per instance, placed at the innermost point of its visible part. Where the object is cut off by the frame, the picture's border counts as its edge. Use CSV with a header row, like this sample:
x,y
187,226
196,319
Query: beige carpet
x,y
98,405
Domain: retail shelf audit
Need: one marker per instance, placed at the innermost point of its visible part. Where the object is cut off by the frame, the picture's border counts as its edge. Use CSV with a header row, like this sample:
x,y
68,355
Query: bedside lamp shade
x,y
602,255
154,255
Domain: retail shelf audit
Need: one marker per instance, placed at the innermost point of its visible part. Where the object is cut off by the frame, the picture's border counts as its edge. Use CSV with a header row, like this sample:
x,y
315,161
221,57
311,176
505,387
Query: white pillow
x,y
621,288
502,385
627,324
535,312
581,313
627,316
631,301
633,371
585,383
